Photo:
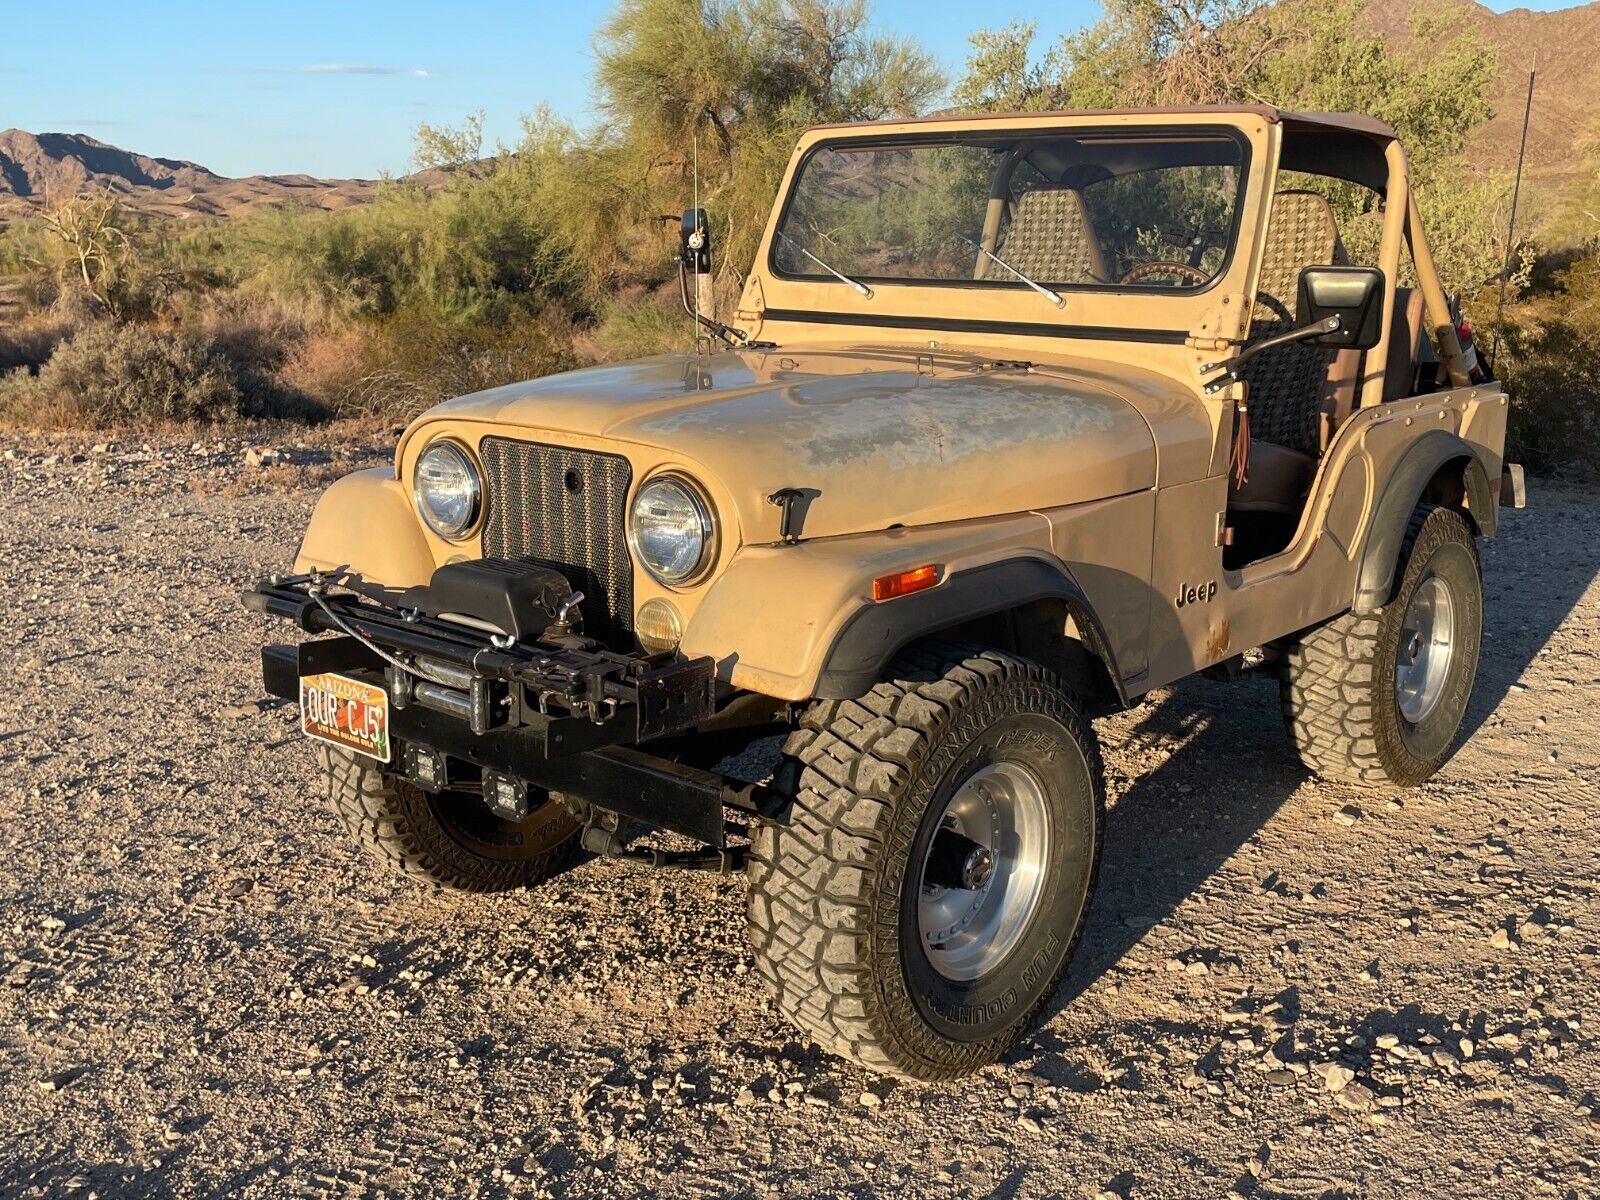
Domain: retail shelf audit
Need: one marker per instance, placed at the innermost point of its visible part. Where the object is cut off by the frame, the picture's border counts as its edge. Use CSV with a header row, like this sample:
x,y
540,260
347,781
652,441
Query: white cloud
x,y
360,69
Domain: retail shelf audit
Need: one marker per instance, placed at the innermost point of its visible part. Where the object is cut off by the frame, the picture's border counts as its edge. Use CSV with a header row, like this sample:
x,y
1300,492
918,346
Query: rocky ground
x,y
1288,988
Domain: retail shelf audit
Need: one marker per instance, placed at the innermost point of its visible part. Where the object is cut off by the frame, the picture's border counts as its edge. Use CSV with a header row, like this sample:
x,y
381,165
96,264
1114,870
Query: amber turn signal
x,y
903,583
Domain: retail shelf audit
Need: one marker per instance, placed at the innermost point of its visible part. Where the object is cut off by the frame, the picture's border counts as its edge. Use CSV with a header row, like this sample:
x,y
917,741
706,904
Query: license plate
x,y
346,712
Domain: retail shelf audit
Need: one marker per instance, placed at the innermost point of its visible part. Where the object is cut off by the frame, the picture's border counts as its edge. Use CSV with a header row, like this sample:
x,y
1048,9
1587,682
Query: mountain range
x,y
37,167
1564,45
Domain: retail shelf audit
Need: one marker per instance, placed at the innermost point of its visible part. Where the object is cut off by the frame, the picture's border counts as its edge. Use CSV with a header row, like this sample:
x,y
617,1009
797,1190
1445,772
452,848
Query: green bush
x,y
110,374
415,358
638,326
475,251
1550,360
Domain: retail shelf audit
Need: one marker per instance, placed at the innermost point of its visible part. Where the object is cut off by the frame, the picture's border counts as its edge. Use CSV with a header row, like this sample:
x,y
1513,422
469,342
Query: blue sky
x,y
336,88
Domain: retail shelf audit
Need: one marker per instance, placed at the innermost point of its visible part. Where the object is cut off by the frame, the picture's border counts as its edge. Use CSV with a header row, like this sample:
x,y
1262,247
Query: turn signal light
x,y
903,583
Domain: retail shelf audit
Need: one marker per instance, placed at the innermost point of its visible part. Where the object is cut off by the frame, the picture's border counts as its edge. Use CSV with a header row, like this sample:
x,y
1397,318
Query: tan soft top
x,y
1351,122
1344,145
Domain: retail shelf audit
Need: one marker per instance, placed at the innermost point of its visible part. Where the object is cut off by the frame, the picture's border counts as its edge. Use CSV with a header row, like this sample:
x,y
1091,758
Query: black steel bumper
x,y
563,717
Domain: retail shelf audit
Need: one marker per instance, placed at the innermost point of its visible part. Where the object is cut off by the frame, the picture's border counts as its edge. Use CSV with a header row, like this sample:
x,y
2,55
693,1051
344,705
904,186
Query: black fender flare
x,y
875,633
1408,482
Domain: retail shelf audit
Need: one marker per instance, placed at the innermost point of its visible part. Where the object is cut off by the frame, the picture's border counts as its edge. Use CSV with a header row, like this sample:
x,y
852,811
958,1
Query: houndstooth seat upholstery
x,y
1286,384
1050,239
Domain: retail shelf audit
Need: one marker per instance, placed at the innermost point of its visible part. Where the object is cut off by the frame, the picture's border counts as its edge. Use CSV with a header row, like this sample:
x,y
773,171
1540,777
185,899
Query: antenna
x,y
1511,225
697,334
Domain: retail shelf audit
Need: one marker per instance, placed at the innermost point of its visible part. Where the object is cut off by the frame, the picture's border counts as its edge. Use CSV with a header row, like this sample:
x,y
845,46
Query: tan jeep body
x,y
1101,458
925,515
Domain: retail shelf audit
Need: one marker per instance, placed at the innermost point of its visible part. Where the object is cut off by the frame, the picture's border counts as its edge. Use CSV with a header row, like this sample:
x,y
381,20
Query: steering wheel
x,y
1165,266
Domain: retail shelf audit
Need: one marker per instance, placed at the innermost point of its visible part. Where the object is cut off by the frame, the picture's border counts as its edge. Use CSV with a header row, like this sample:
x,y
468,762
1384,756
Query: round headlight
x,y
671,529
446,488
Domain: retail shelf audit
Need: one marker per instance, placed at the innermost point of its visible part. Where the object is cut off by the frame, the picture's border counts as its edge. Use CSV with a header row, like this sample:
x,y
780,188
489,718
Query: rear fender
x,y
1440,466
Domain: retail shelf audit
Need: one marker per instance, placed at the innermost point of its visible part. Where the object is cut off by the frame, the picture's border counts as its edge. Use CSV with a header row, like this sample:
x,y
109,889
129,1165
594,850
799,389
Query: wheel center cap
x,y
977,869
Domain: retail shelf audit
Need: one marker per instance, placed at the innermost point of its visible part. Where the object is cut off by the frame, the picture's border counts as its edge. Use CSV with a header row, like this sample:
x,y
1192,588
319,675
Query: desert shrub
x,y
111,374
330,364
396,367
28,344
258,336
1550,361
640,325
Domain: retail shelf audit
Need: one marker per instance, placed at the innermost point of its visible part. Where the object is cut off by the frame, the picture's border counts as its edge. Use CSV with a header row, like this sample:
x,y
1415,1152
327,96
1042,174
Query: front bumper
x,y
566,718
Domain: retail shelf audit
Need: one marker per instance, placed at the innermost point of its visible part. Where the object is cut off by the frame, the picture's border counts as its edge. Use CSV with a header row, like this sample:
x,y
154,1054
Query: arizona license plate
x,y
346,712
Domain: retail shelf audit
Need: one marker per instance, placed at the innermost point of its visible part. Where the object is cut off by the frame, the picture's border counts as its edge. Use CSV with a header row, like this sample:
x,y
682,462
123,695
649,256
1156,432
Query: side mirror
x,y
1353,294
694,241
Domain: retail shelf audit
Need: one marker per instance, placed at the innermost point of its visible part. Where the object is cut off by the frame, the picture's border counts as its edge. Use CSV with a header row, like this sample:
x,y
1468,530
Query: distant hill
x,y
38,167
1565,47
1564,44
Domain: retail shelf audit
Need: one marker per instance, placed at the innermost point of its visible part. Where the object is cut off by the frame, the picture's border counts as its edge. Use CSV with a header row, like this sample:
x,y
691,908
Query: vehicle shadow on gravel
x,y
60,1173
1533,577
1227,767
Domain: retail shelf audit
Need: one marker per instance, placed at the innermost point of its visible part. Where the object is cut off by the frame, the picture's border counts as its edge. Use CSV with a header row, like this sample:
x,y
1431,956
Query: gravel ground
x,y
1288,988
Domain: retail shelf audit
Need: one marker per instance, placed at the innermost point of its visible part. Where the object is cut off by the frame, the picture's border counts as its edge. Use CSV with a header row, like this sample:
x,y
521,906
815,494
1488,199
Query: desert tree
x,y
1299,54
88,234
448,146
721,87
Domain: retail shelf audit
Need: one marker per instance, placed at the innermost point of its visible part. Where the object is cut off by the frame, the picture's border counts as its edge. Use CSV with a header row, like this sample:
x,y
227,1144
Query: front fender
x,y
875,633
364,524
799,622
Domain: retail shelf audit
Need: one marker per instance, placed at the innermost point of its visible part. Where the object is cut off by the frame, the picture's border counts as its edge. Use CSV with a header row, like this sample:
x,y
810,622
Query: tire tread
x,y
813,901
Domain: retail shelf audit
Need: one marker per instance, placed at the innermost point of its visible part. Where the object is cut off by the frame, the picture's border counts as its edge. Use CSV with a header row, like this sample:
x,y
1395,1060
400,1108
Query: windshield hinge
x,y
1202,342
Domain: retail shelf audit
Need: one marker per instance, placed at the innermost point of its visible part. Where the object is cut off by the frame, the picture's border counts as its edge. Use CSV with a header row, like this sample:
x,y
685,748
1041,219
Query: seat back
x,y
1405,340
1050,239
1287,384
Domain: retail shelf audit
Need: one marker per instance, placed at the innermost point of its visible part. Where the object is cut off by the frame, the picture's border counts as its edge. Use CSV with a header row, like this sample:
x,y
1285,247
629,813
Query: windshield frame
x,y
882,141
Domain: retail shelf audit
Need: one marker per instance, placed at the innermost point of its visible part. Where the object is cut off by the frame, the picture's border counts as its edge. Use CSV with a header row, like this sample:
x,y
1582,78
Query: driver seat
x,y
1051,240
1287,385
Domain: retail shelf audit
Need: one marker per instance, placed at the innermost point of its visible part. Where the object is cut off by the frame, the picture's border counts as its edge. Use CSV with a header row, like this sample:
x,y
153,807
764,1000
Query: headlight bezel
x,y
700,500
468,461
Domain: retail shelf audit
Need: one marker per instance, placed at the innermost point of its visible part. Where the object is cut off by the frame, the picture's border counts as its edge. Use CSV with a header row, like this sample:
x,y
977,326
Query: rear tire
x,y
932,883
1377,699
449,839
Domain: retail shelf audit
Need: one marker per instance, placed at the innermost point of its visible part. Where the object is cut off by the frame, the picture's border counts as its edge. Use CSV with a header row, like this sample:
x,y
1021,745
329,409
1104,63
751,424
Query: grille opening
x,y
566,509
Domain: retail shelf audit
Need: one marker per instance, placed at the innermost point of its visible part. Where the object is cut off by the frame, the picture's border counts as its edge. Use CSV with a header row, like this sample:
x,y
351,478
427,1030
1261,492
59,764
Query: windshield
x,y
1080,210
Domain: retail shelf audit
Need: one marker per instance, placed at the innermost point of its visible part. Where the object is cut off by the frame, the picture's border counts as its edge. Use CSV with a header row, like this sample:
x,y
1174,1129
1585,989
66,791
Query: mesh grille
x,y
565,509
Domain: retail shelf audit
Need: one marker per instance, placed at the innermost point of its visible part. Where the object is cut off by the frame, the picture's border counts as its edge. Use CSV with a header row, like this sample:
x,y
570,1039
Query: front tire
x,y
1377,698
450,840
932,883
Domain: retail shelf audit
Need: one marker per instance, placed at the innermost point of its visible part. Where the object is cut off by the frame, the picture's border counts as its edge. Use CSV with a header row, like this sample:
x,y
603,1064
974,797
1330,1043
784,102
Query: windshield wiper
x,y
992,257
840,276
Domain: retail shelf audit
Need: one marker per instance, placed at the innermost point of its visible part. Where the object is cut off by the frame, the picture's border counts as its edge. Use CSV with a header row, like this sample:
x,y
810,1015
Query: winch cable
x,y
343,626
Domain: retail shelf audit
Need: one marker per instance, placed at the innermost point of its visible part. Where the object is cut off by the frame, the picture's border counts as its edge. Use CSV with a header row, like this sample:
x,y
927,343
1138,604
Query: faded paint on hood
x,y
880,443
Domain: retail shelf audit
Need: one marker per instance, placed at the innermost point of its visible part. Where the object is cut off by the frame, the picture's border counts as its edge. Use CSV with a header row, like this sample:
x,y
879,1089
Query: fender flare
x,y
1407,484
872,635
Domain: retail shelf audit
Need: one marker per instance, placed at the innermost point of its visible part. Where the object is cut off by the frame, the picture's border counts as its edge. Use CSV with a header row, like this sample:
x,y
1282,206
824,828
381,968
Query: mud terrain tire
x,y
449,840
834,897
1341,694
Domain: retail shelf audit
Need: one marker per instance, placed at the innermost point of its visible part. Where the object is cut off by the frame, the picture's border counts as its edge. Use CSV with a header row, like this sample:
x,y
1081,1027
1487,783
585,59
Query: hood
x,y
878,441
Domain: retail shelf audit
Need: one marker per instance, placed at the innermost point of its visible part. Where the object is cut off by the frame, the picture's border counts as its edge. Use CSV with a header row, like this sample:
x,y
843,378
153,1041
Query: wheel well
x,y
1448,487
1050,632
1452,487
